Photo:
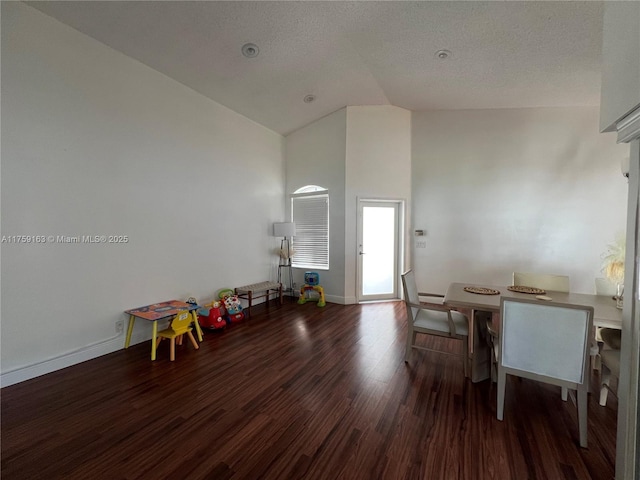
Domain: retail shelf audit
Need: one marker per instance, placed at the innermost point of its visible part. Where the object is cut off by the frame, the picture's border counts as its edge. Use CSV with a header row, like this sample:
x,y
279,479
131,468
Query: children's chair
x,y
180,325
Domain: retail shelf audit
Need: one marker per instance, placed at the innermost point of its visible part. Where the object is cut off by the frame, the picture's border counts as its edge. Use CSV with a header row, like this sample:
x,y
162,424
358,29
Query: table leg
x,y
471,316
495,320
127,341
478,348
472,332
194,314
154,339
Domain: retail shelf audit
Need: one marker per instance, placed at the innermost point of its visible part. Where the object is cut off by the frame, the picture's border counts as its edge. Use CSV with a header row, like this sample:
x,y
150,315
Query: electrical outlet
x,y
120,326
421,244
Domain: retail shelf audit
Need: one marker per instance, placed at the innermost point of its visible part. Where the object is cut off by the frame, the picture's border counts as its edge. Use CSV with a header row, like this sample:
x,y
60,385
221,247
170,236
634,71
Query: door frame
x,y
400,203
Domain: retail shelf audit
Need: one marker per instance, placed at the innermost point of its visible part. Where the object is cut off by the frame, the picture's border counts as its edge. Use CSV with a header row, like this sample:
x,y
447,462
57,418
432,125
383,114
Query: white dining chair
x,y
556,283
547,342
432,319
604,287
610,360
610,367
545,281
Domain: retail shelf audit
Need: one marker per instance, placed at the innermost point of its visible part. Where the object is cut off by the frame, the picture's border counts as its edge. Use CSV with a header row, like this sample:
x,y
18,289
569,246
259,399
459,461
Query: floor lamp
x,y
287,230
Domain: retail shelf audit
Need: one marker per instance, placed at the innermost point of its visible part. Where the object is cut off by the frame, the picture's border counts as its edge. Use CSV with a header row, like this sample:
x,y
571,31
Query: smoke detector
x,y
250,50
443,54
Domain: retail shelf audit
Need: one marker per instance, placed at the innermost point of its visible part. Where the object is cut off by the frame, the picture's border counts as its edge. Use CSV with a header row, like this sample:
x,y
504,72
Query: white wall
x,y
315,156
378,165
95,143
354,152
534,190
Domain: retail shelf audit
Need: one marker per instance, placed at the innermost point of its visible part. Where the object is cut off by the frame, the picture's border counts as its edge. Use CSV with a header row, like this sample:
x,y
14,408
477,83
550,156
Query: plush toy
x,y
212,317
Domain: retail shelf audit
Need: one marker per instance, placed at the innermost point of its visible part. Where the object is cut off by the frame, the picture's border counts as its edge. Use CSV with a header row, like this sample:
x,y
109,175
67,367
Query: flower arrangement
x,y
613,260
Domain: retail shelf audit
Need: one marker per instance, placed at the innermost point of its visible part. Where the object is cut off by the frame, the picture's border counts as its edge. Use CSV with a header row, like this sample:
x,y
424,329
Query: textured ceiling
x,y
504,54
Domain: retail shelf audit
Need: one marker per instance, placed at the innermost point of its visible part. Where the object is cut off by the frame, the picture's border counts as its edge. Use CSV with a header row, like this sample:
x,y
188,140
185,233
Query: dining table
x,y
485,304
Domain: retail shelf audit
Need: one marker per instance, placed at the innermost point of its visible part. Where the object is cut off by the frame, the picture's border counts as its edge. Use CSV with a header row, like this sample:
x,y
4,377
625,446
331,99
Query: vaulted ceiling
x,y
503,54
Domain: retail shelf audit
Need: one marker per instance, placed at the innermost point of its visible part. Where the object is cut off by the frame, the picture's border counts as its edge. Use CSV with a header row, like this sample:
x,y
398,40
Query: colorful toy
x,y
311,278
312,288
212,317
312,284
225,292
232,305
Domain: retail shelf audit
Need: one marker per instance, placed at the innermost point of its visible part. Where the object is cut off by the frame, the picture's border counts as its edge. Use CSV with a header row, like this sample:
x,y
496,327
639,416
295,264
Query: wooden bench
x,y
266,289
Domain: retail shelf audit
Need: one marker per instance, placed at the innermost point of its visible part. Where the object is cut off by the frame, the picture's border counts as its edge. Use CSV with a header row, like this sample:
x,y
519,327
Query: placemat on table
x,y
523,289
482,290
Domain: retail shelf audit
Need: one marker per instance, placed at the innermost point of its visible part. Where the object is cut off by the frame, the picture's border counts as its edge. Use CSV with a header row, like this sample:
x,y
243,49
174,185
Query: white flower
x,y
613,260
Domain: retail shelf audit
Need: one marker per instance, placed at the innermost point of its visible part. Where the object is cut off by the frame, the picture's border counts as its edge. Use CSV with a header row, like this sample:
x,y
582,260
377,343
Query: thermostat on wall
x,y
419,233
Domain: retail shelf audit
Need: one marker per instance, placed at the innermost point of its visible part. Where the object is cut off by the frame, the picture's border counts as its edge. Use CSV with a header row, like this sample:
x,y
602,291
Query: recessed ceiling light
x,y
309,98
443,54
250,50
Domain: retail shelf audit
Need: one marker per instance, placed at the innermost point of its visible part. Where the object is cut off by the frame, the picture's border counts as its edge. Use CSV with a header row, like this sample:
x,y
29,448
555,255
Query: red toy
x,y
212,317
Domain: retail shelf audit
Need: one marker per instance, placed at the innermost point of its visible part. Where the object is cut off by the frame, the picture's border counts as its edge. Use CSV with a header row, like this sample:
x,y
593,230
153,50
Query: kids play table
x,y
160,311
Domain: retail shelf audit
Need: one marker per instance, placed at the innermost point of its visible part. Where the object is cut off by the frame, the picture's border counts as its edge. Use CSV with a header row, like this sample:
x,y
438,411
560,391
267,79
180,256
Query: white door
x,y
378,249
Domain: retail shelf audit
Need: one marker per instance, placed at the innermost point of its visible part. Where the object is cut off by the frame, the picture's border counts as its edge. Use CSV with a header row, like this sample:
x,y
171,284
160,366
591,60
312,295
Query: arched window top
x,y
310,189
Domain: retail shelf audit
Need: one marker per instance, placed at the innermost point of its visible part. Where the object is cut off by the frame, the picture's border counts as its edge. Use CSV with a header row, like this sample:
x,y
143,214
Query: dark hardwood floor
x,y
295,392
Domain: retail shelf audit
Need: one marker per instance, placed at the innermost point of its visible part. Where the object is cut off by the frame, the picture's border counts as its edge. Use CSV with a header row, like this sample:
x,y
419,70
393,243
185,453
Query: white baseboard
x,y
65,360
340,300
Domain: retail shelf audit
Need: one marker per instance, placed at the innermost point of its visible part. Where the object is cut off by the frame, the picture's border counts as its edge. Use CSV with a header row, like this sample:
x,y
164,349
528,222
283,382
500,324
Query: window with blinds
x,y
310,212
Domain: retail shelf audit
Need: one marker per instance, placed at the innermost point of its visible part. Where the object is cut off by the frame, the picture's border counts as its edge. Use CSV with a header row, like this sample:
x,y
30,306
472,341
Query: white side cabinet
x,y
620,63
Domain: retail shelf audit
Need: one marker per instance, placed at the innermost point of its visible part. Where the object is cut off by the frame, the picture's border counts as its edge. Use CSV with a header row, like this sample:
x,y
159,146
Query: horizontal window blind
x,y
311,243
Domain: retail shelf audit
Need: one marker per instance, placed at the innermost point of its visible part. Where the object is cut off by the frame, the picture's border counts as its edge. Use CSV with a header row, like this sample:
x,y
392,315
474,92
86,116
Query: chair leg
x,y
564,393
594,353
493,367
193,341
172,355
582,414
604,389
411,339
502,380
597,363
159,339
465,359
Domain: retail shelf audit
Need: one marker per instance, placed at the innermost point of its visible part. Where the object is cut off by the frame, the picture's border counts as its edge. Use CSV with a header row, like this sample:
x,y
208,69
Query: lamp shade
x,y
287,229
